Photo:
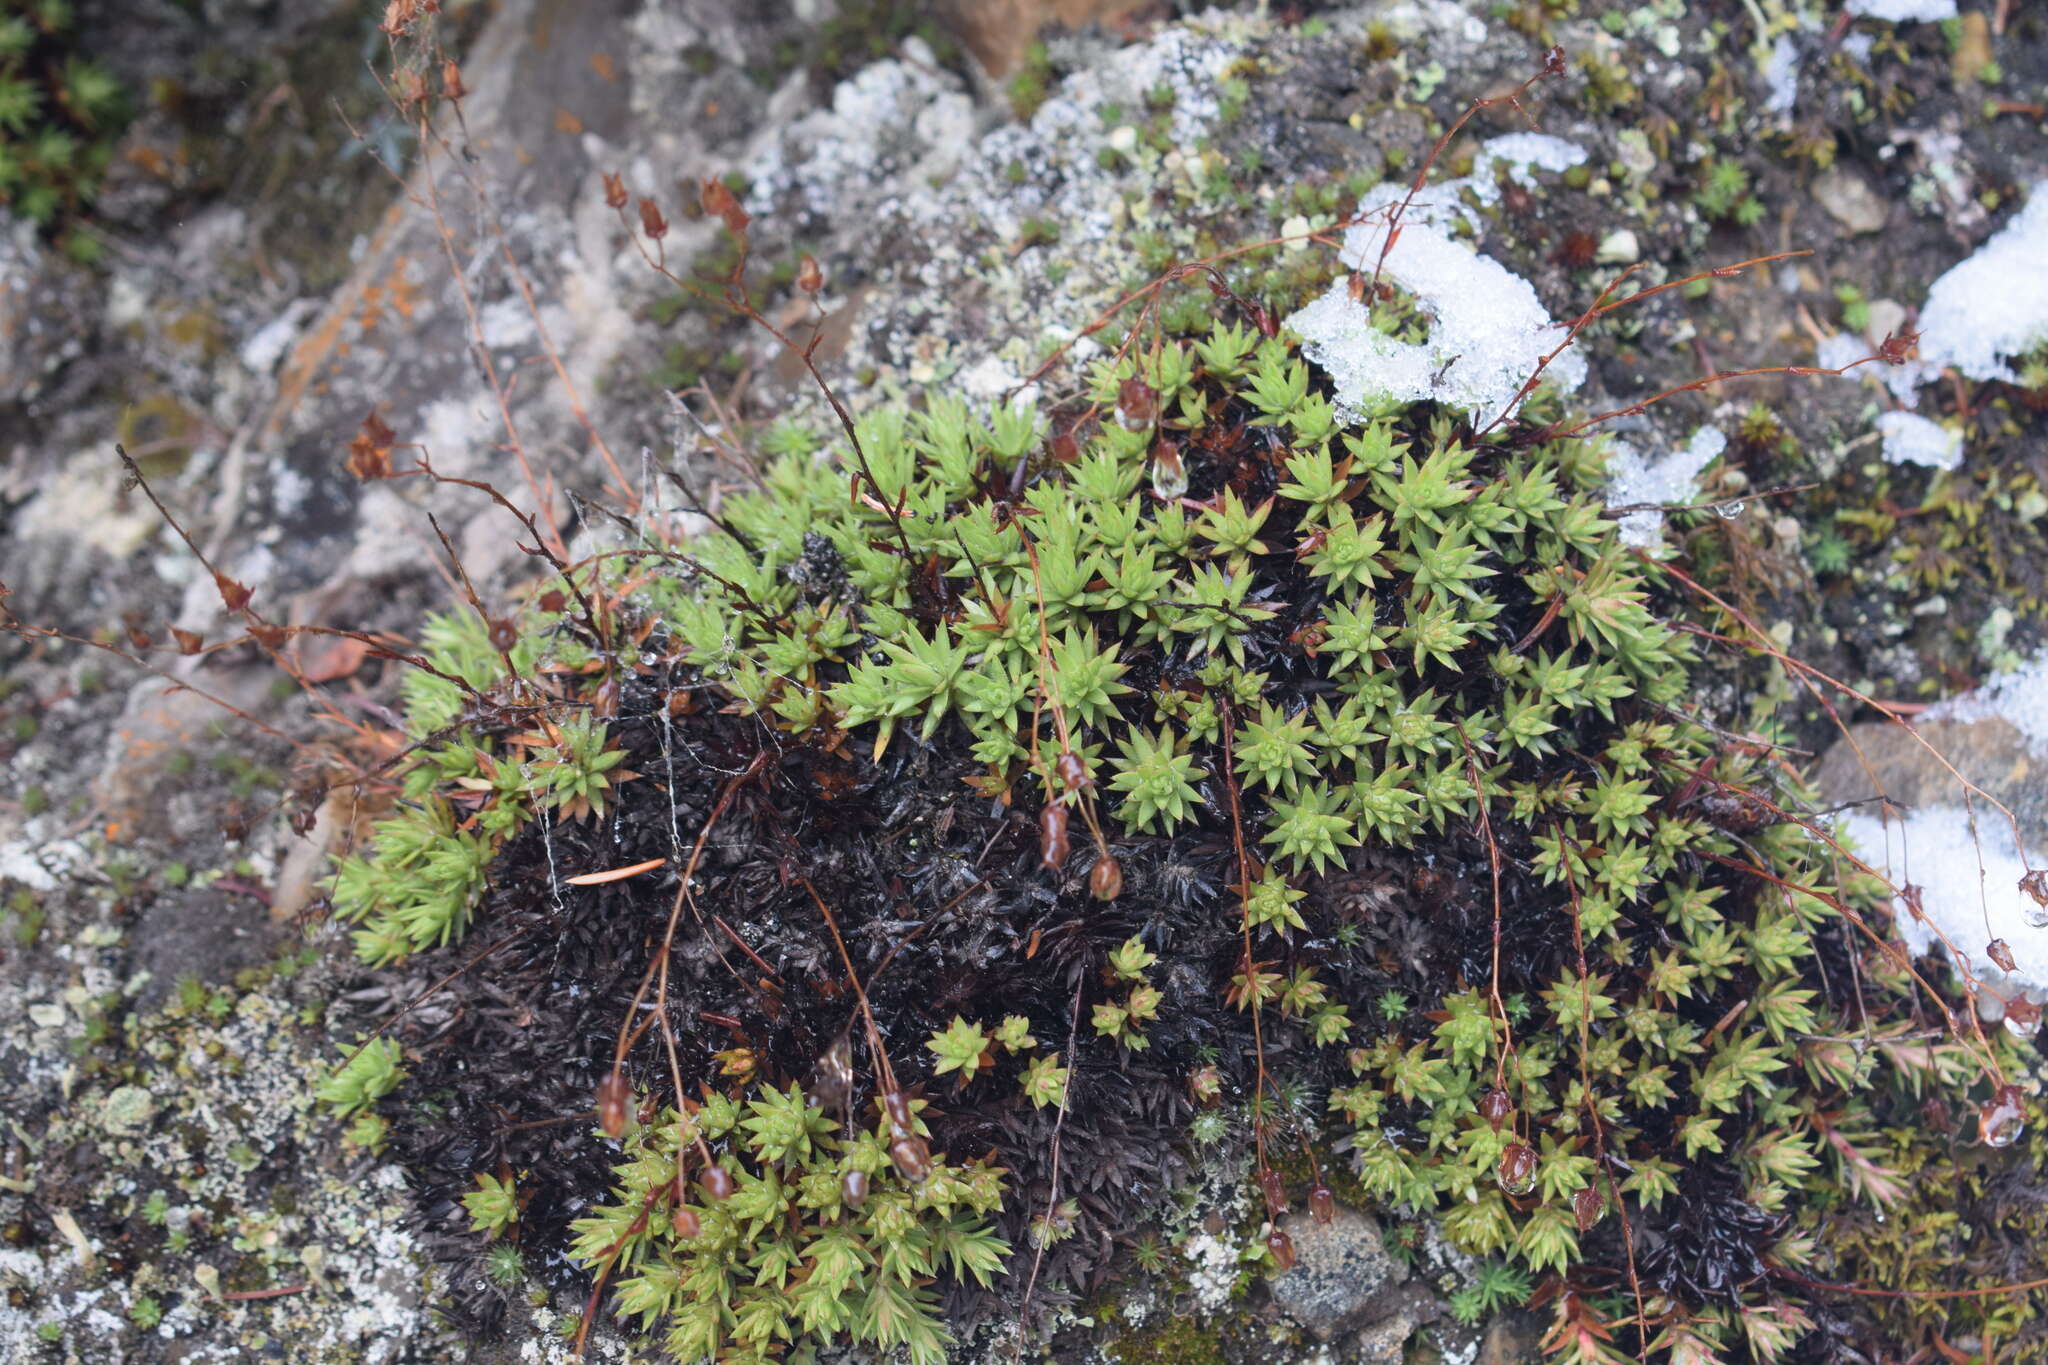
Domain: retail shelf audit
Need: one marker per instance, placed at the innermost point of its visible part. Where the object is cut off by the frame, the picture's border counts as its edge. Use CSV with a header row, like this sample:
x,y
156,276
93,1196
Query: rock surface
x,y
270,286
1341,1269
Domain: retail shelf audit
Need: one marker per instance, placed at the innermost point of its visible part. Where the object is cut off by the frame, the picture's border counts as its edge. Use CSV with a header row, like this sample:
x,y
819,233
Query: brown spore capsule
x,y
1106,878
612,1098
1274,1189
1052,837
912,1158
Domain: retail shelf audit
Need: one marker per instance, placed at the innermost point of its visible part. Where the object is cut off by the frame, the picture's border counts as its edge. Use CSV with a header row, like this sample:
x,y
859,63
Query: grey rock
x,y
1991,752
1850,201
1512,1339
1384,1342
1340,1272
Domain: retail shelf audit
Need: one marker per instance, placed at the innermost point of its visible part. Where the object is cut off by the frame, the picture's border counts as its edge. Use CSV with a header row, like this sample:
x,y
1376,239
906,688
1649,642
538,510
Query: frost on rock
x,y
1632,478
1488,331
1913,439
2020,698
1968,882
1988,308
1781,76
1904,11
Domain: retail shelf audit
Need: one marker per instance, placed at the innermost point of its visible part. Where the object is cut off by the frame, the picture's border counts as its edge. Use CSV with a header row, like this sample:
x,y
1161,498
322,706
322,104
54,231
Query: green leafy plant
x,y
1386,711
774,1249
60,115
368,1076
493,1205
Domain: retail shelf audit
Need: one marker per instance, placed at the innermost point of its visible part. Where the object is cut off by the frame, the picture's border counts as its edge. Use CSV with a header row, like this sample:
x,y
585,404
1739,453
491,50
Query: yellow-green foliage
x,y
784,1260
1361,631
59,115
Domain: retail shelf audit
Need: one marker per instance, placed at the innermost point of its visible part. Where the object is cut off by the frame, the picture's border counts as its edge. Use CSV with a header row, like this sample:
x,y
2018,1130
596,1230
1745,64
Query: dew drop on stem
x,y
1517,1172
2002,1118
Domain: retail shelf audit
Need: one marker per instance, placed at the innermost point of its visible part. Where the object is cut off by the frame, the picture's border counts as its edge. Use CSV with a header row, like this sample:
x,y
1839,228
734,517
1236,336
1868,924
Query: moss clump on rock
x,y
1176,750
60,114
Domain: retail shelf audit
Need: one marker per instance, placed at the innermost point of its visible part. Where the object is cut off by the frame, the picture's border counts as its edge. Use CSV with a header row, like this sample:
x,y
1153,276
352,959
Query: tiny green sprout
x,y
156,1210
1049,1229
1149,1254
1014,1034
1130,959
493,1205
962,1047
191,994
50,1331
146,1313
1045,1081
1310,830
1157,779
1829,552
1271,904
363,1079
503,1265
1274,751
1392,1004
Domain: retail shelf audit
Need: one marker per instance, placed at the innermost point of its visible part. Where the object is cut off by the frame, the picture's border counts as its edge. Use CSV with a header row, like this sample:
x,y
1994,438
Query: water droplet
x,y
2002,1118
1169,474
2036,915
1517,1172
1729,511
2022,1017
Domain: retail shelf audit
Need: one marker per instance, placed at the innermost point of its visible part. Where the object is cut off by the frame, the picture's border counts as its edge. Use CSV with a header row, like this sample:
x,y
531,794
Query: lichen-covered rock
x,y
1340,1269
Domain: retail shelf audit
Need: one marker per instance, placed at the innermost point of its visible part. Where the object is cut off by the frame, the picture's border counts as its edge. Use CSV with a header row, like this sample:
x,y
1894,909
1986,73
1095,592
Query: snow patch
x,y
1913,439
262,351
1969,886
1633,478
1489,331
1904,11
1988,308
1781,75
2020,698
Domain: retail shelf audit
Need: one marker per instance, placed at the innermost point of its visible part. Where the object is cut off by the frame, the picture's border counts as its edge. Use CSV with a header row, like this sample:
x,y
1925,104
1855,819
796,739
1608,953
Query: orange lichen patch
x,y
149,160
398,292
602,64
998,32
566,122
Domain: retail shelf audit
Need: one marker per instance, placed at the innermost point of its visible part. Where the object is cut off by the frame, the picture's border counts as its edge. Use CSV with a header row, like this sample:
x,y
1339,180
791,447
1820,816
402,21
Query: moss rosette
x,y
1278,664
